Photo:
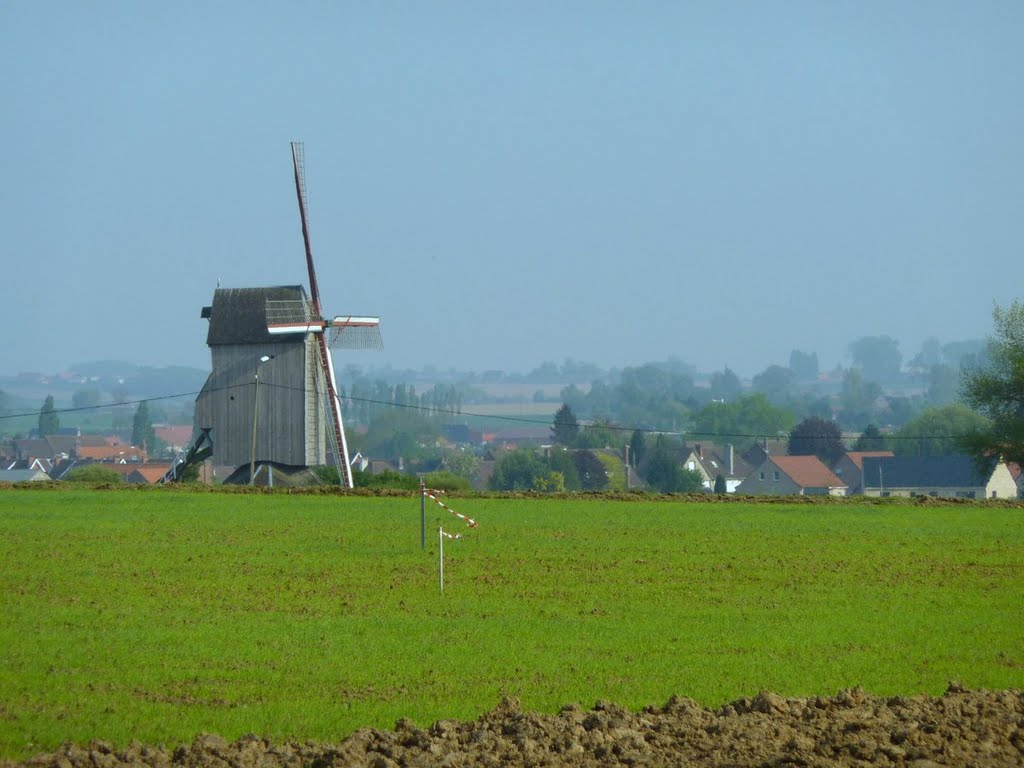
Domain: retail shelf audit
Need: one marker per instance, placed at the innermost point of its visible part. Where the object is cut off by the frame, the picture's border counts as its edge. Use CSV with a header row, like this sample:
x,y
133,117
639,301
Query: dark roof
x,y
239,315
951,471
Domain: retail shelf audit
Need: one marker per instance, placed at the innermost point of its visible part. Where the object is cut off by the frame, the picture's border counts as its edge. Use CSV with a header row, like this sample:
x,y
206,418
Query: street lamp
x,y
255,412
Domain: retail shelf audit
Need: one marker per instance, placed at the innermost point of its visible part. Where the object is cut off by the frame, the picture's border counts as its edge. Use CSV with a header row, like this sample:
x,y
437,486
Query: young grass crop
x,y
157,615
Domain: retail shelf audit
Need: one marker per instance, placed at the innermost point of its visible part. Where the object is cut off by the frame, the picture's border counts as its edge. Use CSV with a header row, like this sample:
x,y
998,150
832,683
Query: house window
x,y
775,475
760,475
691,466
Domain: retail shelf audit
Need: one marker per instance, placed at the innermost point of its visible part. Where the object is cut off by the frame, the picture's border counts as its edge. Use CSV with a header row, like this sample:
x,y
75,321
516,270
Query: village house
x,y
951,476
850,468
792,475
710,461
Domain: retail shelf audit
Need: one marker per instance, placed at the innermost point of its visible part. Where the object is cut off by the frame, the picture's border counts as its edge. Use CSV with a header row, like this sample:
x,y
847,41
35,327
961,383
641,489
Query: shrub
x,y
94,473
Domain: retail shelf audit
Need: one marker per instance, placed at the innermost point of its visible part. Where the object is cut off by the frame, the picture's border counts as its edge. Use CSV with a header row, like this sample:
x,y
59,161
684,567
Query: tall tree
x,y
871,439
878,356
817,437
86,398
804,365
938,431
565,428
741,422
517,471
637,447
49,421
776,383
930,354
943,384
593,476
997,389
665,472
143,434
725,385
561,460
857,398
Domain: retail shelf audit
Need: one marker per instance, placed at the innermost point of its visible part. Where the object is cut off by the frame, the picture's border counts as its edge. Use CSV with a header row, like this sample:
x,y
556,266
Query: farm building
x,y
951,476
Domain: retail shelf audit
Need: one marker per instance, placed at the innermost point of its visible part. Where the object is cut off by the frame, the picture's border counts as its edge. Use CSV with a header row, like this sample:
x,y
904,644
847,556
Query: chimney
x,y
700,451
729,459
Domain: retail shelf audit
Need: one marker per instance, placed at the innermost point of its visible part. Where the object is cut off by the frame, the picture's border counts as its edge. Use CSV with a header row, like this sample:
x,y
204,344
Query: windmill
x,y
346,332
272,396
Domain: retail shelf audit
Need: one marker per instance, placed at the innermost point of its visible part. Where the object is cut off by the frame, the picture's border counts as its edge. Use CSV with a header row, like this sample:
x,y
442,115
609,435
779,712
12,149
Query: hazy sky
x,y
507,183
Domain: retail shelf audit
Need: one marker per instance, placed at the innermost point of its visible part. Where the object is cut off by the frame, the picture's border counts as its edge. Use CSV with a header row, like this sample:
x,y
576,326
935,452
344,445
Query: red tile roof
x,y
808,471
115,452
176,436
857,457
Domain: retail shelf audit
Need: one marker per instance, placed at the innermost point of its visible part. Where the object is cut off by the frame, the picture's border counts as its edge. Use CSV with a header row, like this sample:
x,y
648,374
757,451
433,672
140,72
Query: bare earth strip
x,y
961,727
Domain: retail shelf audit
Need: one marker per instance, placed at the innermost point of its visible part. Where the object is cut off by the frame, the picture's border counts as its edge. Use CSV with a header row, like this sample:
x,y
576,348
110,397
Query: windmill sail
x,y
349,332
344,332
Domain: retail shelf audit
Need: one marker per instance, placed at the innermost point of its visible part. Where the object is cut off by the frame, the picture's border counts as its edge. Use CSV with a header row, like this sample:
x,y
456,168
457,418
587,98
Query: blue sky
x,y
509,183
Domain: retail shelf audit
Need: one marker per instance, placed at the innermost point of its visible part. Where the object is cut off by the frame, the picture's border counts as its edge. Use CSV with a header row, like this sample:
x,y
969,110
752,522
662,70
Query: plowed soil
x,y
961,727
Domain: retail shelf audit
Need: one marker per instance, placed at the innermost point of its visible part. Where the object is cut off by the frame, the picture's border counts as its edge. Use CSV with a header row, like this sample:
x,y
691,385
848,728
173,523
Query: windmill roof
x,y
239,315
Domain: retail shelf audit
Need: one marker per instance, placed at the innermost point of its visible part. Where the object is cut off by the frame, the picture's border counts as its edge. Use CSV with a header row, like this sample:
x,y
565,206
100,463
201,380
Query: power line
x,y
459,413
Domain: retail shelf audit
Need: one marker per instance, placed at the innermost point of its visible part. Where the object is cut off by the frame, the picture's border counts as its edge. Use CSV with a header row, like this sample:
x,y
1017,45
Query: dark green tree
x,y
516,471
871,439
49,421
566,428
637,447
561,460
143,434
817,437
593,476
720,486
996,389
665,472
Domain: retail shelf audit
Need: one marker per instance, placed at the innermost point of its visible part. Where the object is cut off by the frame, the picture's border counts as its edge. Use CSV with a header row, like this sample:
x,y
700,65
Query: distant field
x,y
513,409
158,614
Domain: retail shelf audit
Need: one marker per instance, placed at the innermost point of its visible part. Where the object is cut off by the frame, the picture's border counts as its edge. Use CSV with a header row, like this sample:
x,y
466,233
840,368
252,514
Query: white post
x,y
440,558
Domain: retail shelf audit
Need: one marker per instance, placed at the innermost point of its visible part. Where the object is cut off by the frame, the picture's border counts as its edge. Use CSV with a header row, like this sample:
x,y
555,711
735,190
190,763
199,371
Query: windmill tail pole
x,y
339,427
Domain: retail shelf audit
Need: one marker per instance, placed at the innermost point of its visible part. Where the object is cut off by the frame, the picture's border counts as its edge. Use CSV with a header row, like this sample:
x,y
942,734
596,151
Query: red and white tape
x,y
429,493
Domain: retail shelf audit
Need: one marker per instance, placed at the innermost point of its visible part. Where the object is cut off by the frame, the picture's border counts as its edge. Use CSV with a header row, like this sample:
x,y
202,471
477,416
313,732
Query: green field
x,y
156,615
